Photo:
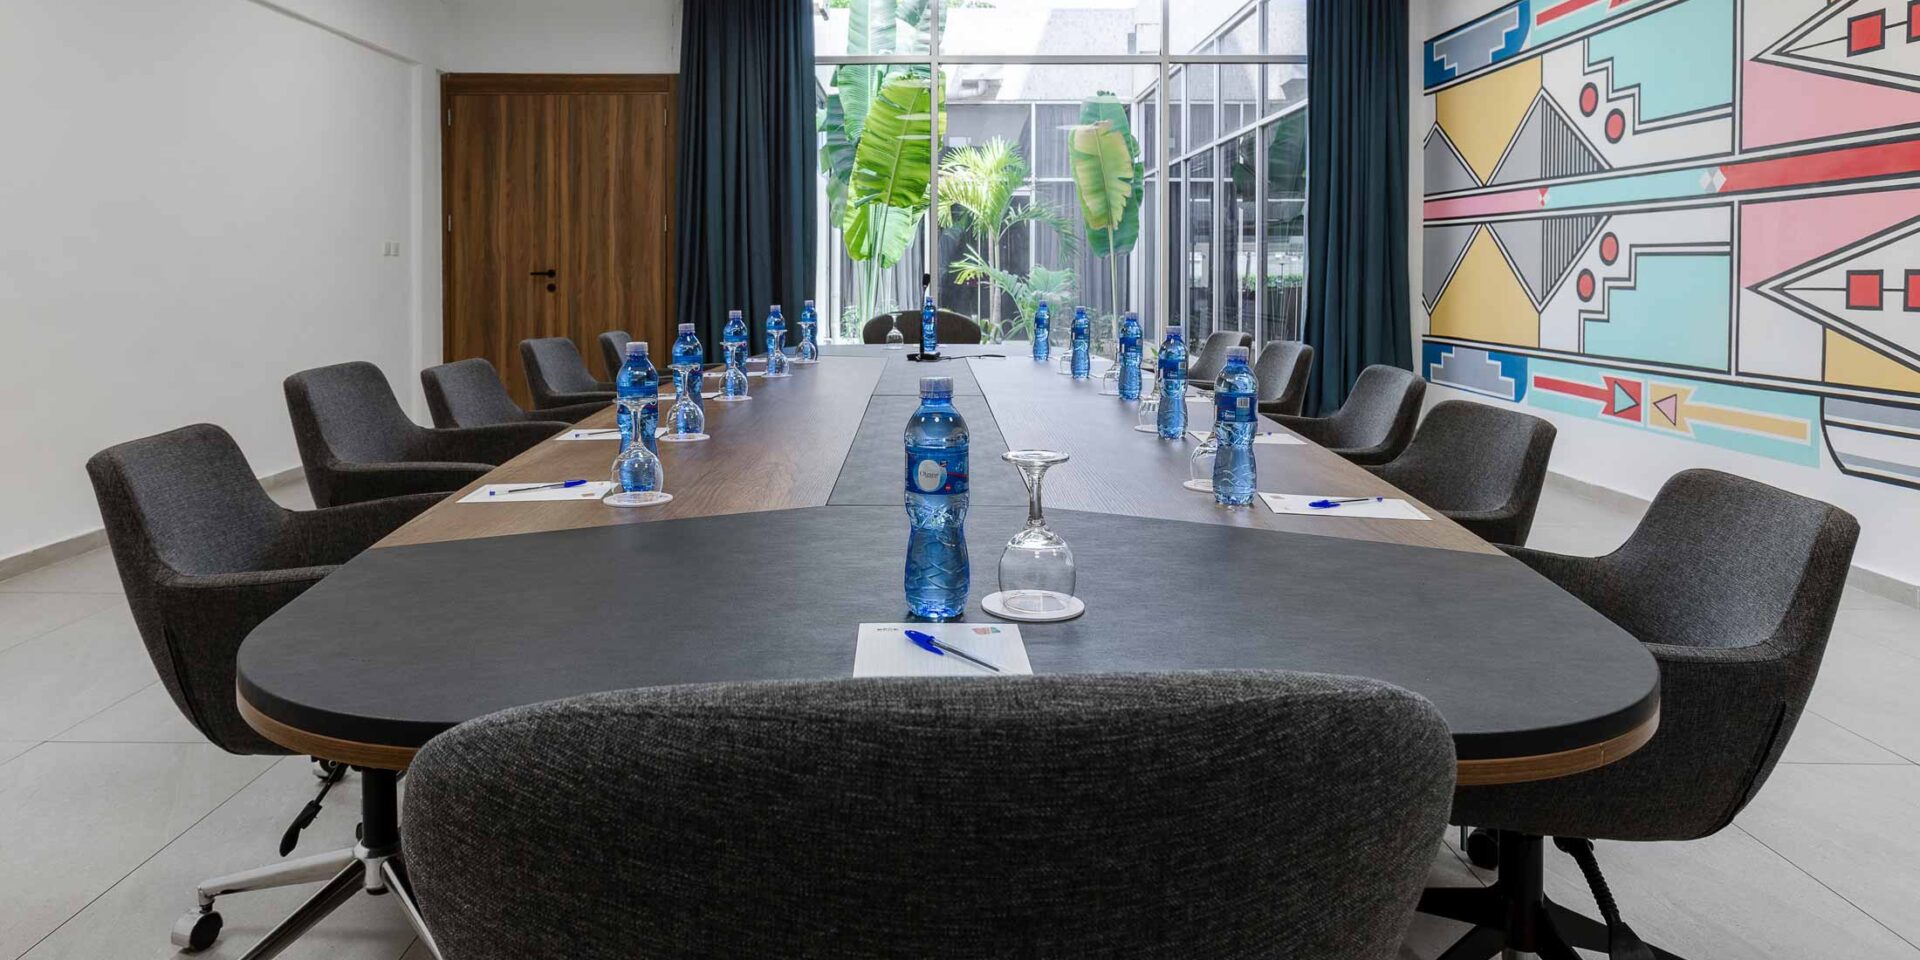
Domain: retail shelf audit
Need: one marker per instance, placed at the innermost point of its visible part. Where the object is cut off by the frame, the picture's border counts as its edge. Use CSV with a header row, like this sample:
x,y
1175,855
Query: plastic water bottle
x,y
733,342
809,331
937,574
1042,324
929,330
1173,384
687,357
1234,422
1082,345
638,388
1130,336
777,344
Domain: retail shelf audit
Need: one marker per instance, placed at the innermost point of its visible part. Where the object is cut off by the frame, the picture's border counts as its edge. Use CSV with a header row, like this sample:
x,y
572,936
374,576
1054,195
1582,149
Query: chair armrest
x,y
494,444
220,609
554,401
1313,429
569,414
360,482
334,535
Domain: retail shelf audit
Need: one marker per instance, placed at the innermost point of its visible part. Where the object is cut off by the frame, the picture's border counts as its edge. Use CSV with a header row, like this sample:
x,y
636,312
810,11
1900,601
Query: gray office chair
x,y
1733,586
558,377
613,352
1281,375
1482,466
1180,815
205,556
468,393
950,327
357,444
1375,423
1205,366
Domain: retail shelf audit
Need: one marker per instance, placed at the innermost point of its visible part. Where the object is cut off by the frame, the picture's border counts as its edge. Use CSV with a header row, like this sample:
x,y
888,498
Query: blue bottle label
x,y
937,472
1233,407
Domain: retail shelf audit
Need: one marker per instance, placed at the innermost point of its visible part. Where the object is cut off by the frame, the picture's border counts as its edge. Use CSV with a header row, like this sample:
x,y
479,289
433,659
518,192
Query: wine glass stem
x,y
1034,516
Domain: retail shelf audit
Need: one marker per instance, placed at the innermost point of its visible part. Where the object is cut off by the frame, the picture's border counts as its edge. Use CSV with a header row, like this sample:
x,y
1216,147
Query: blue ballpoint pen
x,y
563,485
941,648
1329,504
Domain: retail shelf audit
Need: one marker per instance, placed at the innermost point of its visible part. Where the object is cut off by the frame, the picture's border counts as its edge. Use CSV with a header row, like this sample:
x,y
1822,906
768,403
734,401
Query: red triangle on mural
x,y
1784,105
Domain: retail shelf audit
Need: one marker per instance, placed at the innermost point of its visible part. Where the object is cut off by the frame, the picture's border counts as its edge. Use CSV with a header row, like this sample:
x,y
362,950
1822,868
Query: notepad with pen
x,y
939,650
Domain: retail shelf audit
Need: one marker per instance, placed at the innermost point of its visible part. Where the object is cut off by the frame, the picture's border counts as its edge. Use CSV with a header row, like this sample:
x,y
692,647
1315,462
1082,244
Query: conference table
x,y
786,531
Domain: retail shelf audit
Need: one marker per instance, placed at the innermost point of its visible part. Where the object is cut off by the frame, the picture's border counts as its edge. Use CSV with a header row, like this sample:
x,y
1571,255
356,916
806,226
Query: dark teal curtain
x,y
747,145
1358,310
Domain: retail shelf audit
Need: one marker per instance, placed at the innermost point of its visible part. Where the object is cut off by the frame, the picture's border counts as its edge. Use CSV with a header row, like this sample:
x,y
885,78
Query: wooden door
x,y
558,194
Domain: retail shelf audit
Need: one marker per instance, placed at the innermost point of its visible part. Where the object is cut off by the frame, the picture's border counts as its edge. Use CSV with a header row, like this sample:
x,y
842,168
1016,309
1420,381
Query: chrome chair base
x,y
373,866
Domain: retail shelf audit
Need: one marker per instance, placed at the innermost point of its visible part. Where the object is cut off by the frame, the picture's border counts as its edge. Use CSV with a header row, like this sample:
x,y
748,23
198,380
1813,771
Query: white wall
x,y
193,200
564,36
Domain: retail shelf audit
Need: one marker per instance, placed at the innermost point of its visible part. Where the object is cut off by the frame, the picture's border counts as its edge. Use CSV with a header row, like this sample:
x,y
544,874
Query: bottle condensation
x,y
929,329
776,343
1082,345
733,341
1173,385
1042,324
688,355
638,389
1235,419
809,333
1130,348
936,494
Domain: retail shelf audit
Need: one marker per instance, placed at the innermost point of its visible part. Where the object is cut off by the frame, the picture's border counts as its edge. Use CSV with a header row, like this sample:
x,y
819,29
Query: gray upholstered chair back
x,y
1141,817
1733,586
556,371
1212,358
205,555
1281,374
949,326
613,351
1379,414
348,412
1481,465
468,393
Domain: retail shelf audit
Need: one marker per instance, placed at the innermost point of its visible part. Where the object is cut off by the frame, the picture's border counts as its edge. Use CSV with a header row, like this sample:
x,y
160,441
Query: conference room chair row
x,y
700,822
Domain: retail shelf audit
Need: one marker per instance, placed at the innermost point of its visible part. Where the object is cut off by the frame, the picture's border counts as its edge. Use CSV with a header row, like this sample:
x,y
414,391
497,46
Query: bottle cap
x,y
806,303
936,386
1133,316
734,315
1239,353
774,309
637,348
686,328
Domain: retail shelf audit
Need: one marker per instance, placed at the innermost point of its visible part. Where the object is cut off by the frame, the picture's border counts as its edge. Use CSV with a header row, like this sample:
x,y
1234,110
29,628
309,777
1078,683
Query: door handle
x,y
549,274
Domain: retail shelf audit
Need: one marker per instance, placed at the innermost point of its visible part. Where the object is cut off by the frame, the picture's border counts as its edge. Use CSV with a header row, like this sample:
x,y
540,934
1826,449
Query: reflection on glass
x,y
1239,234
1284,265
1203,82
1198,250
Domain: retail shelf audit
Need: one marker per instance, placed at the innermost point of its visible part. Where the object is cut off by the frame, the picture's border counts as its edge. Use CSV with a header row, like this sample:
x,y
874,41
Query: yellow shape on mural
x,y
1484,301
1854,363
1482,115
1674,409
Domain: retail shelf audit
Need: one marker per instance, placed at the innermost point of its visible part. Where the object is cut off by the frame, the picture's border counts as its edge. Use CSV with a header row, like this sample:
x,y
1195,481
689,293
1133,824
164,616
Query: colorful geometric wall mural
x,y
1696,218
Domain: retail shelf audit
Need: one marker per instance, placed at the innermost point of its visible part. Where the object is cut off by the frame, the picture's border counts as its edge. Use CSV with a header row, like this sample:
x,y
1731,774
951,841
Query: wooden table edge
x,y
1468,773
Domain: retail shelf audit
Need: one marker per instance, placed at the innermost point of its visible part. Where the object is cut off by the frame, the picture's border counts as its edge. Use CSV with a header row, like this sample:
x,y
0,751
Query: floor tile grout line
x,y
1863,736
37,745
148,858
76,724
1829,888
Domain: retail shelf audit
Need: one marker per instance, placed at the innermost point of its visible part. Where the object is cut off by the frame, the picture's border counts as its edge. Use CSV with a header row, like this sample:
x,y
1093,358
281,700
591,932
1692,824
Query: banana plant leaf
x,y
889,190
836,158
1108,175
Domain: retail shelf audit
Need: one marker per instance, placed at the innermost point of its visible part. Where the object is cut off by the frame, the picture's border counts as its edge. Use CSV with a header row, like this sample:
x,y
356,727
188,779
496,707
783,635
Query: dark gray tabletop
x,y
405,642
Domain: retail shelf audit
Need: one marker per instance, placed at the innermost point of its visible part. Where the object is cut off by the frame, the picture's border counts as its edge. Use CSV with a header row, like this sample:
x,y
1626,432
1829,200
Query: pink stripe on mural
x,y
1511,201
1775,237
1781,105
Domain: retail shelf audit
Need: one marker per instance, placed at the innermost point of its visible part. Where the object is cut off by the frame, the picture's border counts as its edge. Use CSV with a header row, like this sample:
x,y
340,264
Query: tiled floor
x,y
111,806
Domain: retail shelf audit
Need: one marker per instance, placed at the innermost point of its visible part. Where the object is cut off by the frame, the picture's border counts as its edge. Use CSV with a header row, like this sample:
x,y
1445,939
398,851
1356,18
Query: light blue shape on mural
x,y
1485,372
1691,182
1681,58
1676,312
1793,406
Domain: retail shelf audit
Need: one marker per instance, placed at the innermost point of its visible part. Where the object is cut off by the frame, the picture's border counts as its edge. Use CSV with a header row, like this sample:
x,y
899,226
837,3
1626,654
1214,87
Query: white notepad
x,y
1389,508
610,433
1264,439
883,650
496,492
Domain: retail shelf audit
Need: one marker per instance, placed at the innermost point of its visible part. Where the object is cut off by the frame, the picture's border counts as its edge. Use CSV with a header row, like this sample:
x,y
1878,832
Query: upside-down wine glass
x,y
688,418
638,478
1037,575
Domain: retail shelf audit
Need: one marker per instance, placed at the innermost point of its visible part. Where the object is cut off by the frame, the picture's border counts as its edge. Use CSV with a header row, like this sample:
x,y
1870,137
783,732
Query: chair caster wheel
x,y
1483,848
196,930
